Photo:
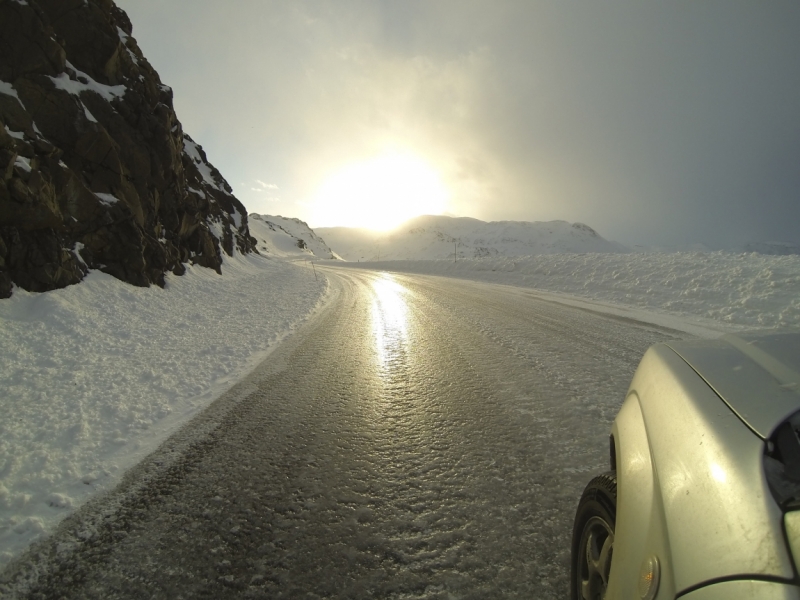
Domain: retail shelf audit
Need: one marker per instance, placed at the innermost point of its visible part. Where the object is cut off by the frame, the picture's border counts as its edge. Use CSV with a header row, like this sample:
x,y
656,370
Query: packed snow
x,y
441,237
95,376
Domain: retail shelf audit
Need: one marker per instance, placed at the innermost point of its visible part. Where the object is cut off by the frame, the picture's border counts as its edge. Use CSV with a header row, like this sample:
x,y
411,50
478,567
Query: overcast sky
x,y
655,123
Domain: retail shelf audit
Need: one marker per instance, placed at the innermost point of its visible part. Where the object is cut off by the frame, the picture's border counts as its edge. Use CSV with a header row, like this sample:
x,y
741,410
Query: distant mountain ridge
x,y
773,248
432,237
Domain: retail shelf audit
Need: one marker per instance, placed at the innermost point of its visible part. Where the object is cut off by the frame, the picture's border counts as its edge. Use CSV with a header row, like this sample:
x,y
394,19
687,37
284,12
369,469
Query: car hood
x,y
756,375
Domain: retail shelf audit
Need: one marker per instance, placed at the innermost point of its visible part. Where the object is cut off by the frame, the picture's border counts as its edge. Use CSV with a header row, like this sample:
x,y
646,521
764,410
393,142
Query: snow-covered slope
x,y
95,376
438,237
287,238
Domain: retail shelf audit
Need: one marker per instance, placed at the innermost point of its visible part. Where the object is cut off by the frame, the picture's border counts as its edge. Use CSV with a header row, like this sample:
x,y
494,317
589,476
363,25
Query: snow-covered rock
x,y
287,238
98,173
432,237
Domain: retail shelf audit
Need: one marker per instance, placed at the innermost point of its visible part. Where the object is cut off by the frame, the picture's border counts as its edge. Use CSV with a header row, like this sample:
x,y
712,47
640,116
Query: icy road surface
x,y
421,438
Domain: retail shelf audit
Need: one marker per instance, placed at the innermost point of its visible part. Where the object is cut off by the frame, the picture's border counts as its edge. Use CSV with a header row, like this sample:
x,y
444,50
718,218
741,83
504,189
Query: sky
x,y
654,123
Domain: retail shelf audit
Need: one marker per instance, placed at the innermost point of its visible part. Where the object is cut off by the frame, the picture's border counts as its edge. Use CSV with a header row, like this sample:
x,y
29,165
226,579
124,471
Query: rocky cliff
x,y
95,169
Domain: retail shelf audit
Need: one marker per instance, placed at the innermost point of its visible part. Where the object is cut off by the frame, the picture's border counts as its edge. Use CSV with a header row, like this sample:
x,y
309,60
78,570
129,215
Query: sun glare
x,y
380,193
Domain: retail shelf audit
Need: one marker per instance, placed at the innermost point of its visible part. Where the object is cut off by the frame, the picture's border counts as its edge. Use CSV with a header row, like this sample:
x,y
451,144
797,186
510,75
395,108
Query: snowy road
x,y
421,438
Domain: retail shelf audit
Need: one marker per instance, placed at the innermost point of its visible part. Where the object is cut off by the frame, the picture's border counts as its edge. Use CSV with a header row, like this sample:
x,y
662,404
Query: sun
x,y
379,193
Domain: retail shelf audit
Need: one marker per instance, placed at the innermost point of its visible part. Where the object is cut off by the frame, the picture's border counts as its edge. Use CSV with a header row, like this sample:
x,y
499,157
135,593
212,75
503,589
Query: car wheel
x,y
593,538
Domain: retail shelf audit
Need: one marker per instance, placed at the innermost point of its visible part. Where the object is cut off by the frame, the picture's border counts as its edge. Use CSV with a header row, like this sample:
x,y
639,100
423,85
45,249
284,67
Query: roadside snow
x,y
95,376
741,290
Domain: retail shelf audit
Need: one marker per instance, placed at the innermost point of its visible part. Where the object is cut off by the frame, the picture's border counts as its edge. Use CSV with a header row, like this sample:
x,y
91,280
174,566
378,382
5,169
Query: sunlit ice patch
x,y
389,318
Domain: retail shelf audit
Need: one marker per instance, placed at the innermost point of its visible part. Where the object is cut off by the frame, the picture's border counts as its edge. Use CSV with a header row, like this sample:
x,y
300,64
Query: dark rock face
x,y
95,170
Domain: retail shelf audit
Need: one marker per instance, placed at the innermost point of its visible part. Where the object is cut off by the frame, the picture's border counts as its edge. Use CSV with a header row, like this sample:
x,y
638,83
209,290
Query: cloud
x,y
650,122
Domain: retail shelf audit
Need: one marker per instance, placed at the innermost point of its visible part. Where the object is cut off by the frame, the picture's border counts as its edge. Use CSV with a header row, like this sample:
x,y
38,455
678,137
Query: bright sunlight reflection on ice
x,y
389,319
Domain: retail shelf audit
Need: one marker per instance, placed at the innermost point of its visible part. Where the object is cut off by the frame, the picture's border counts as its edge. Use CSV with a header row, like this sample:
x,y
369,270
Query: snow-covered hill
x,y
438,237
287,238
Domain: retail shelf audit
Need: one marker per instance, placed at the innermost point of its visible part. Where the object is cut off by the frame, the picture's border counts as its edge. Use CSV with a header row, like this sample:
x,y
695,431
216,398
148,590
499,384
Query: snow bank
x,y
749,290
96,375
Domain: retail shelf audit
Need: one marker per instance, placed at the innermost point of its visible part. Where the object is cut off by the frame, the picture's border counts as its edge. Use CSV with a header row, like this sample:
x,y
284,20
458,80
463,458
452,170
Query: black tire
x,y
593,538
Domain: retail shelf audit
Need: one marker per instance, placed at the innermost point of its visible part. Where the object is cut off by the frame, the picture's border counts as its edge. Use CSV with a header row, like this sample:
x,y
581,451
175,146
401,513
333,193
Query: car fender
x,y
690,486
639,520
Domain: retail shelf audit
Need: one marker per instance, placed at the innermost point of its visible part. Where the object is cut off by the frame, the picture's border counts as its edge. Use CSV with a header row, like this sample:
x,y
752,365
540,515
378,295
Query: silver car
x,y
702,501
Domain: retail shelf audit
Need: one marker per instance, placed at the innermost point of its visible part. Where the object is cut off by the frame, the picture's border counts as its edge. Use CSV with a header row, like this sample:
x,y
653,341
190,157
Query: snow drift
x,y
745,290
